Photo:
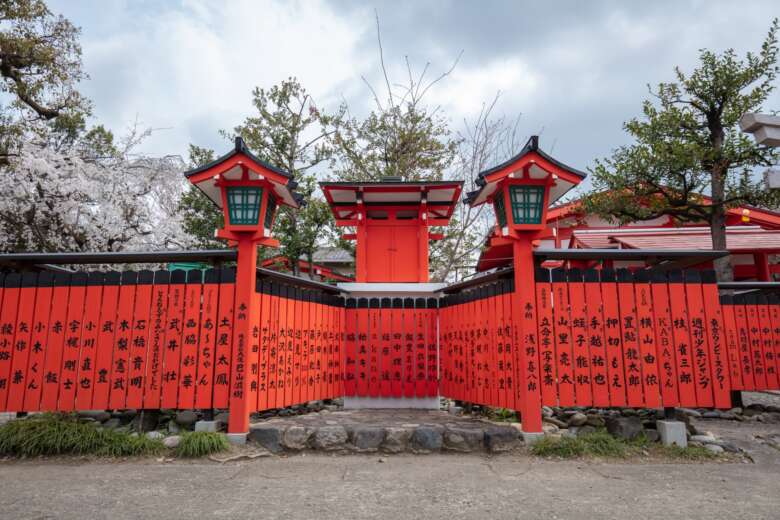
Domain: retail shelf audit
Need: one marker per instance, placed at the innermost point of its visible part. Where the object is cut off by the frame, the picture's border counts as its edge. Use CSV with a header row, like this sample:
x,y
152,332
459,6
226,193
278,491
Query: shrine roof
x,y
739,239
767,218
540,165
439,196
230,167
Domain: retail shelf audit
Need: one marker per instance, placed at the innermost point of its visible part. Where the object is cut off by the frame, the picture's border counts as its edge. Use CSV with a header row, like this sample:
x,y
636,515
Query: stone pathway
x,y
390,431
759,440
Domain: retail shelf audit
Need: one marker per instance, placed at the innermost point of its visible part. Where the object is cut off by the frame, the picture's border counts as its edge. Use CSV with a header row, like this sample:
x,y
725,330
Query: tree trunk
x,y
723,269
310,259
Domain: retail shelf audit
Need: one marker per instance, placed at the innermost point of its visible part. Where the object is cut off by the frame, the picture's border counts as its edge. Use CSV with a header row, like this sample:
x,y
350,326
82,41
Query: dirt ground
x,y
402,486
406,486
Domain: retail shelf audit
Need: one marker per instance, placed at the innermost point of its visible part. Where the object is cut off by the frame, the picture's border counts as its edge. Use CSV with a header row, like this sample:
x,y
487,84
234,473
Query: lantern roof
x,y
230,167
539,165
344,196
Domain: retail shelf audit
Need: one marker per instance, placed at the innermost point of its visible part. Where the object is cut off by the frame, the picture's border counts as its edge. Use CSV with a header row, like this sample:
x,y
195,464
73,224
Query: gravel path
x,y
430,487
405,486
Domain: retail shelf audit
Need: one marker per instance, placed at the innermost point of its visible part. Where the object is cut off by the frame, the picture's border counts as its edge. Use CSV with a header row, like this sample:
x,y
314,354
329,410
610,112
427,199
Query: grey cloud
x,y
582,116
593,59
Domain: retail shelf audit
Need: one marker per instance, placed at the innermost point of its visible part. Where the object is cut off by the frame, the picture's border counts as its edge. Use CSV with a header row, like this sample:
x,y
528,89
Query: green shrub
x,y
200,444
60,434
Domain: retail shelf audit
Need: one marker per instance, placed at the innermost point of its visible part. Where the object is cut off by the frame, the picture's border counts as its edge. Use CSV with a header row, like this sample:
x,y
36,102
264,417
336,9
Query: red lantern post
x,y
520,190
248,191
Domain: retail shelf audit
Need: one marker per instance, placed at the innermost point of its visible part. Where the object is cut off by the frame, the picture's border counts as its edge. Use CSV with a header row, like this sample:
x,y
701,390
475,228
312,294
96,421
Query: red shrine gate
x,y
517,339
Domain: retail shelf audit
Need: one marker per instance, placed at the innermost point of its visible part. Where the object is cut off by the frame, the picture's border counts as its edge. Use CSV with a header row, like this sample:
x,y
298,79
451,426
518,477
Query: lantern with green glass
x,y
248,191
248,205
520,204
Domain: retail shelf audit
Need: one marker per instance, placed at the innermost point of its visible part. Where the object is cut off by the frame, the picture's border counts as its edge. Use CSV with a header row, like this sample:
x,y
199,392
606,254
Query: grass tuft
x,y
689,453
200,444
502,415
602,444
599,444
565,447
62,434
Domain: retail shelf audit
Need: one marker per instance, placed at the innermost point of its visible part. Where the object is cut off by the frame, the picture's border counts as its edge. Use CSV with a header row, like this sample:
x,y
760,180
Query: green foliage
x,y
408,140
200,216
688,144
55,434
98,143
300,230
288,131
200,444
199,156
40,68
403,136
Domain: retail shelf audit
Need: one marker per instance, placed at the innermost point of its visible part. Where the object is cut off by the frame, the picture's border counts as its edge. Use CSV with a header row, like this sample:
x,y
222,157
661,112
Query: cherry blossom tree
x,y
55,200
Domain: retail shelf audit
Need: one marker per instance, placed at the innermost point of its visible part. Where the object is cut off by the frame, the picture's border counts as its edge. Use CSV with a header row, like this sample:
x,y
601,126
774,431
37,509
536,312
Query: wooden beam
x,y
346,222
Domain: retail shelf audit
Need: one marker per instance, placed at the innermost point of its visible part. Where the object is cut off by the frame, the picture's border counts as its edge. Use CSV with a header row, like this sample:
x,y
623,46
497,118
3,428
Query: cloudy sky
x,y
573,70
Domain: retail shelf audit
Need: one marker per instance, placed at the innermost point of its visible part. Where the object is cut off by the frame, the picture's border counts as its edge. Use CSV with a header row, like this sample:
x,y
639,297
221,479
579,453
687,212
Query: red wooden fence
x,y
612,338
159,340
391,347
164,340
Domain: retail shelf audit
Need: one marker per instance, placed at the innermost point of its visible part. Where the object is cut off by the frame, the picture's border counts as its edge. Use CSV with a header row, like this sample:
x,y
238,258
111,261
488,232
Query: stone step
x,y
278,437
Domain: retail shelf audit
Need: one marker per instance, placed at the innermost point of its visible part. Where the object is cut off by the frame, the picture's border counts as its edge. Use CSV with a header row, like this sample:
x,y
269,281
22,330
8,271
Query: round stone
x,y
296,438
172,441
186,418
330,438
427,438
396,440
463,439
367,438
268,436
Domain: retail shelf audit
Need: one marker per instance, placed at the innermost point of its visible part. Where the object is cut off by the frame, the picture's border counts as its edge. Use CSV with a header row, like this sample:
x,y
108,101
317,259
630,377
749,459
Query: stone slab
x,y
672,433
238,439
531,438
400,403
386,430
206,426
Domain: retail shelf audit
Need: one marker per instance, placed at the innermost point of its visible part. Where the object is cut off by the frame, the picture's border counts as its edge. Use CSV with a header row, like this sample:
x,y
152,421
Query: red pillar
x,y
530,396
762,267
246,275
422,248
361,269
